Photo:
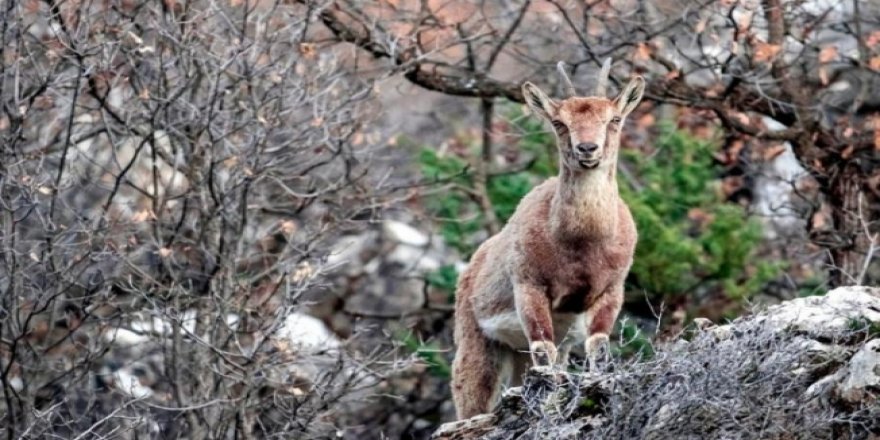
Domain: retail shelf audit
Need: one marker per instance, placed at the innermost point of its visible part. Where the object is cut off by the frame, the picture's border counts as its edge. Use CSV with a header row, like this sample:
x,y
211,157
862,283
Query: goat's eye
x,y
615,120
559,125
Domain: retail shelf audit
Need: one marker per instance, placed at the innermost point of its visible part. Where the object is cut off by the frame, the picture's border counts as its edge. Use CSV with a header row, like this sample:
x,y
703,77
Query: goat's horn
x,y
569,87
603,77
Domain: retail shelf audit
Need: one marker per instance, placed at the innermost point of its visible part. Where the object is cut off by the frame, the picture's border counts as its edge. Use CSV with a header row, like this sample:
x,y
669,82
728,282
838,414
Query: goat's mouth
x,y
588,164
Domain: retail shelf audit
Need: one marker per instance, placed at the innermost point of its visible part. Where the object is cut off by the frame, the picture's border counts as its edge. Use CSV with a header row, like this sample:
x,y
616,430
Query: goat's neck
x,y
585,205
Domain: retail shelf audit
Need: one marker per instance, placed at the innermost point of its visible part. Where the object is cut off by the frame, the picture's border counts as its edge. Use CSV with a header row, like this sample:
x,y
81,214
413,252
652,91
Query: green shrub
x,y
457,213
690,239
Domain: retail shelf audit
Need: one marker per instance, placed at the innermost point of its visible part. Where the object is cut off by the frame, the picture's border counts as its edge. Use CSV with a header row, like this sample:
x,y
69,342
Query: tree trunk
x,y
848,257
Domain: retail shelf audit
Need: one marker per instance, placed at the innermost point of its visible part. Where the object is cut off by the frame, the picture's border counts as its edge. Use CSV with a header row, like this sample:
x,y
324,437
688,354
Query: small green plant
x,y
457,215
634,341
430,353
444,278
589,405
865,326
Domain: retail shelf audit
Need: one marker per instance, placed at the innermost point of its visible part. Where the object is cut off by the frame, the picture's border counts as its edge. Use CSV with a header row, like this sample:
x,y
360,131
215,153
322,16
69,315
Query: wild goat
x,y
553,277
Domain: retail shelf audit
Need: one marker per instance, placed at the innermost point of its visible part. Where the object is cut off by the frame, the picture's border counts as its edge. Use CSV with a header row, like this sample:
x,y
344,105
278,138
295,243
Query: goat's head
x,y
587,128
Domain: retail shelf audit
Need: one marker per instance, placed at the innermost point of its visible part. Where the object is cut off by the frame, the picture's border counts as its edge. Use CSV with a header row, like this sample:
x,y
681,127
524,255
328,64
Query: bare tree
x,y
172,173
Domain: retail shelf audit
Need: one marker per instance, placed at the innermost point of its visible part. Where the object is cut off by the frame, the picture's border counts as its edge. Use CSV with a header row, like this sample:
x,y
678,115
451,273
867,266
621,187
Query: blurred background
x,y
246,218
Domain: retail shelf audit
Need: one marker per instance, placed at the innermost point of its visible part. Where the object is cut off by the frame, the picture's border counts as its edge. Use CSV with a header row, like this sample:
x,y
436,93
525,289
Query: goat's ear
x,y
631,95
538,101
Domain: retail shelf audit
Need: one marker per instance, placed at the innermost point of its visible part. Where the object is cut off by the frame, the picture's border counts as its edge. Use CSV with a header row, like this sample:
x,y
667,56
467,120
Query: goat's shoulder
x,y
535,206
626,227
530,235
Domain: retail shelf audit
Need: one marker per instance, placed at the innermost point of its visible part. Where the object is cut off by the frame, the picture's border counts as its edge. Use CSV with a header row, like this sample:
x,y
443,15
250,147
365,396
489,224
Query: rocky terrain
x,y
806,368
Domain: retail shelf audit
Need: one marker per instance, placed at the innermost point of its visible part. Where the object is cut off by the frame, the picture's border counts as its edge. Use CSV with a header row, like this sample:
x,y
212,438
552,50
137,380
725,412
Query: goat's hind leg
x,y
478,372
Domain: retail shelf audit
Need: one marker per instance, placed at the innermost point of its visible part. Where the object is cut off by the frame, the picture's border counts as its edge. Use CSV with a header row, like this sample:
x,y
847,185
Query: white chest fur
x,y
568,329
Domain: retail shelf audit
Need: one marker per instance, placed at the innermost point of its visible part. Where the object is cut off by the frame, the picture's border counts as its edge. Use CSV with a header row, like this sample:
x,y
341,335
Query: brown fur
x,y
554,275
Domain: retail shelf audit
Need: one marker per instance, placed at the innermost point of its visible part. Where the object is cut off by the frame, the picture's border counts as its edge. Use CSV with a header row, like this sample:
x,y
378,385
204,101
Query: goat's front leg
x,y
533,308
600,321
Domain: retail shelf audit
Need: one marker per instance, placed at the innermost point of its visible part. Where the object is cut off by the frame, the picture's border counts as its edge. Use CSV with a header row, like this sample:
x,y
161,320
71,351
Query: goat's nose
x,y
586,148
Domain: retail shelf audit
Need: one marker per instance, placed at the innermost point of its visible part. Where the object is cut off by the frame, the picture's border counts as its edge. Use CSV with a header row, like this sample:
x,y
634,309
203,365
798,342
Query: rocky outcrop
x,y
807,368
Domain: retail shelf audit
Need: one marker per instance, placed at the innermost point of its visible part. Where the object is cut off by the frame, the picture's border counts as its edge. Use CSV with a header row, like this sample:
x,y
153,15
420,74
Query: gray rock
x,y
403,233
861,379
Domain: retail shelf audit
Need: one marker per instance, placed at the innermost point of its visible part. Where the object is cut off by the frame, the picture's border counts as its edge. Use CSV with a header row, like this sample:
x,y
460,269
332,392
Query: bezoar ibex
x,y
553,277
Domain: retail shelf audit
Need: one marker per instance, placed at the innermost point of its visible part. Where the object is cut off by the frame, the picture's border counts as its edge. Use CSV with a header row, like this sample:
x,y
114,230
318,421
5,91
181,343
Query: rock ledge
x,y
806,368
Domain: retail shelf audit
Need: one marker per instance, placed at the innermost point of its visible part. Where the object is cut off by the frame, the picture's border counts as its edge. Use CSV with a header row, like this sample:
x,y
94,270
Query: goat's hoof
x,y
543,353
597,346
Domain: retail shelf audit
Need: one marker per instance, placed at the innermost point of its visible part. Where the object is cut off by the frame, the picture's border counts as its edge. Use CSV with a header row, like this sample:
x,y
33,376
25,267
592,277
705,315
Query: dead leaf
x,y
308,50
141,216
873,39
773,152
735,148
819,221
43,102
764,52
643,52
699,216
288,227
741,117
847,152
827,54
823,76
874,63
357,139
701,25
874,124
164,252
647,120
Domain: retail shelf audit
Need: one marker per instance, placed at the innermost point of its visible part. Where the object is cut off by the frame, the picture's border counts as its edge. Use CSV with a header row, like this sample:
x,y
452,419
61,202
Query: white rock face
x,y
308,334
413,258
381,271
345,258
861,379
131,384
405,234
827,315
